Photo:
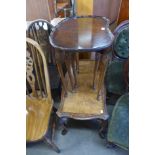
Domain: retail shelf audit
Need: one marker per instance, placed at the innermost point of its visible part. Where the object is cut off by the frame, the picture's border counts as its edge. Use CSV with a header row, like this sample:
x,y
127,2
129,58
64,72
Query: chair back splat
x,y
39,31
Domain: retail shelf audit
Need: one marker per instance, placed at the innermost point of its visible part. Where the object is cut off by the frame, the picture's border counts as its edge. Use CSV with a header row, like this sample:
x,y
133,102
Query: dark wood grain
x,y
84,33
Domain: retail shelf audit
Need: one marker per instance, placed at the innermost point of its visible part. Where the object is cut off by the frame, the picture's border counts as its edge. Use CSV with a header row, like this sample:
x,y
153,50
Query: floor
x,y
81,139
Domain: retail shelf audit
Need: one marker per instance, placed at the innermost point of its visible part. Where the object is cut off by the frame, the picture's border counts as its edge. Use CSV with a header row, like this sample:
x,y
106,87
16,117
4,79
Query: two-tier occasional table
x,y
82,34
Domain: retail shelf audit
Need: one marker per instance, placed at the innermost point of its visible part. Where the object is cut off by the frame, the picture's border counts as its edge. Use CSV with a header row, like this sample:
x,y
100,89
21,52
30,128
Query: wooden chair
x,y
39,30
39,103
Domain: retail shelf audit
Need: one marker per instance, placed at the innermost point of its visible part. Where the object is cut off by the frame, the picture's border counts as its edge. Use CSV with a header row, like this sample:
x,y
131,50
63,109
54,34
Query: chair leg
x,y
53,124
52,144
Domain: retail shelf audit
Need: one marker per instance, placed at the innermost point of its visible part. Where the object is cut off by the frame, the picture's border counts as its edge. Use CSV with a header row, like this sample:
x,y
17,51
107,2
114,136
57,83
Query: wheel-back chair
x,y
39,103
39,30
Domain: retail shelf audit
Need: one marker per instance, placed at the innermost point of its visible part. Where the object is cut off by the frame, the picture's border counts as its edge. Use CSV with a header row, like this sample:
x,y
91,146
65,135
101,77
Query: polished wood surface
x,y
83,103
38,92
84,33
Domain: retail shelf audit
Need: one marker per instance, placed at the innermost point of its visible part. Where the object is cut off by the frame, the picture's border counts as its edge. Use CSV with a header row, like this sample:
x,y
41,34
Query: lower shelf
x,y
83,103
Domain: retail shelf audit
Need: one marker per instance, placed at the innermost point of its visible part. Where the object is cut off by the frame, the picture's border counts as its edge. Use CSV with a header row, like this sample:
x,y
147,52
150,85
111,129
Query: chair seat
x,y
118,131
37,118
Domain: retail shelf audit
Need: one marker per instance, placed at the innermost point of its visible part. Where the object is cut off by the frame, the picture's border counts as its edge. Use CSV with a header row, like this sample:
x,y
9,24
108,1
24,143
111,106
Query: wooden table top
x,y
83,33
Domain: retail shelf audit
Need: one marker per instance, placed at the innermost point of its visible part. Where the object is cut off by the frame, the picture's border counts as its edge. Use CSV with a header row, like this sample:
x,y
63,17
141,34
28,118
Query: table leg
x,y
59,66
97,60
103,64
73,61
100,81
59,59
77,62
69,68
